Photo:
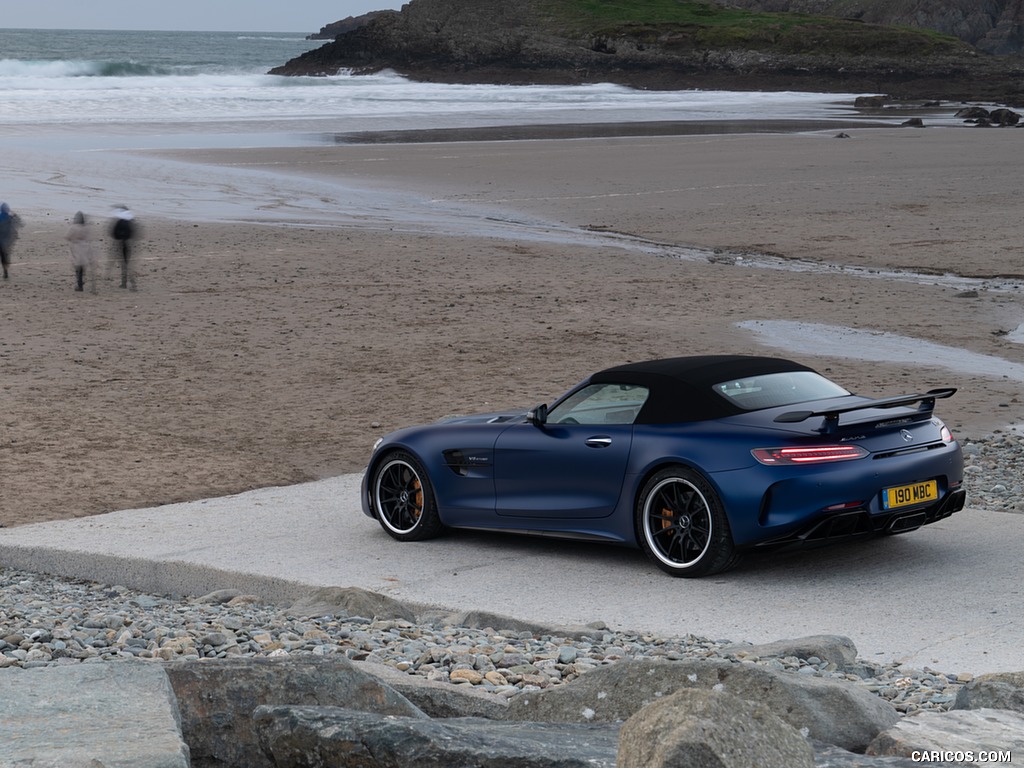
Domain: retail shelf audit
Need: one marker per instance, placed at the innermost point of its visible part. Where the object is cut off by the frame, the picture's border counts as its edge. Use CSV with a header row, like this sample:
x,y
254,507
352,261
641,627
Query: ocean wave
x,y
273,38
131,69
20,68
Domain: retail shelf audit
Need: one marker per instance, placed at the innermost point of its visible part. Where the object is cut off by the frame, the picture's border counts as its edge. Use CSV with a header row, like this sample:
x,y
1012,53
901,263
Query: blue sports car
x,y
692,459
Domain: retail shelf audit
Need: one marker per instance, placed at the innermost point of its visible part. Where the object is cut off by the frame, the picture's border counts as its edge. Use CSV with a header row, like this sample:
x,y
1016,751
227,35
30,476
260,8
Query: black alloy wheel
x,y
682,526
403,498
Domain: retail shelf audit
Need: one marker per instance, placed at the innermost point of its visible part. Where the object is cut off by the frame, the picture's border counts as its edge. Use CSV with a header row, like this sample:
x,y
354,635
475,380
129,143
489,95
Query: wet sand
x,y
467,276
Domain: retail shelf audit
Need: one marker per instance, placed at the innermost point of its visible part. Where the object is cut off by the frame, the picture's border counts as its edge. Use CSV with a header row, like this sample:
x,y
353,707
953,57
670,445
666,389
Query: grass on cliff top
x,y
706,25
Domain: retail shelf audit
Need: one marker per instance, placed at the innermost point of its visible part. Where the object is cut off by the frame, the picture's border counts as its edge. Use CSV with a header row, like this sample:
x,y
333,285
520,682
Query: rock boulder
x,y
332,737
1001,690
832,712
974,737
217,699
708,729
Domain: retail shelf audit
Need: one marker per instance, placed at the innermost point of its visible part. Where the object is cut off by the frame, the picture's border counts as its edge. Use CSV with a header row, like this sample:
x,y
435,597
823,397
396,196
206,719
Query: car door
x,y
573,466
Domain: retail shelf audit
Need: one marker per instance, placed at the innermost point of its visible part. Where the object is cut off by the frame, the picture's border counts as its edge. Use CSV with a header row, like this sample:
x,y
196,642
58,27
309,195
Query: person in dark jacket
x,y
123,230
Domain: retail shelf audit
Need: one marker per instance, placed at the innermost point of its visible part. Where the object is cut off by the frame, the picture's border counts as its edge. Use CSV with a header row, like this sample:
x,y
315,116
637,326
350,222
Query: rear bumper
x,y
860,524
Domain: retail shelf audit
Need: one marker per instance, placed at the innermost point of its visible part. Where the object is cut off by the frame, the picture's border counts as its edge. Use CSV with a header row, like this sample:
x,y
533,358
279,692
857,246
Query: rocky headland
x,y
693,45
349,23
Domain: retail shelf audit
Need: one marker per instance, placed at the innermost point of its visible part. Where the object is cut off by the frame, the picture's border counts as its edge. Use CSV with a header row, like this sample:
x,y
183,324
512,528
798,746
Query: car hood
x,y
500,417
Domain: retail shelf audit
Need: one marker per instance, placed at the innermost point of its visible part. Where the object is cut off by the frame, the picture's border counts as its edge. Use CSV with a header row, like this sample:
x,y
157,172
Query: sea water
x,y
217,81
72,102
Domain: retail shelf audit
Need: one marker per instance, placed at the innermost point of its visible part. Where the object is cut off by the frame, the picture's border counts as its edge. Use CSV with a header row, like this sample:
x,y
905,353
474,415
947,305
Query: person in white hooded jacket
x,y
83,255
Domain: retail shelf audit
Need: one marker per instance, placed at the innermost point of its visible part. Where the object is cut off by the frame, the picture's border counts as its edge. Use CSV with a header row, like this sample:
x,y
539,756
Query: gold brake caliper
x,y
417,496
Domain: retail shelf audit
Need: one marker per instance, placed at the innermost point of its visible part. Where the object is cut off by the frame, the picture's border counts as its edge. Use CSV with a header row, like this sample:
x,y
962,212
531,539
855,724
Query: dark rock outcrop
x,y
349,23
984,117
516,42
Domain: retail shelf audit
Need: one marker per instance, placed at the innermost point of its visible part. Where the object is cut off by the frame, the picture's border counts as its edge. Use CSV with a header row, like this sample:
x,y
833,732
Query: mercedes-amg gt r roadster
x,y
692,459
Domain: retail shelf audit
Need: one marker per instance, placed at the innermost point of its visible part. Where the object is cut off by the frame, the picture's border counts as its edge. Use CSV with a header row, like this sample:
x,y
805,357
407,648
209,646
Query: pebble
x,y
994,471
47,620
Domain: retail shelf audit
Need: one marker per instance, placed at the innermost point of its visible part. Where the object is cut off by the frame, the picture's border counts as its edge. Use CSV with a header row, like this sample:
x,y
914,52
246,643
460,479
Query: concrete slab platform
x,y
948,596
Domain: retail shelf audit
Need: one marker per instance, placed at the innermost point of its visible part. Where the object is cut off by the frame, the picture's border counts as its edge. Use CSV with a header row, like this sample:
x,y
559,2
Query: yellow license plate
x,y
908,495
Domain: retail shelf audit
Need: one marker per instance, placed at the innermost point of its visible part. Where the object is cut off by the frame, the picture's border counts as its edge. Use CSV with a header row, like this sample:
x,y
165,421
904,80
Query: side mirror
x,y
538,415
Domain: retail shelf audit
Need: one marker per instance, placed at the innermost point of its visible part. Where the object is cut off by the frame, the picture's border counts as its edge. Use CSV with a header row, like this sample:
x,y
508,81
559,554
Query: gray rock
x,y
330,737
117,715
502,623
707,729
217,700
1001,690
1004,116
972,732
438,699
350,601
827,756
831,649
830,711
219,596
869,102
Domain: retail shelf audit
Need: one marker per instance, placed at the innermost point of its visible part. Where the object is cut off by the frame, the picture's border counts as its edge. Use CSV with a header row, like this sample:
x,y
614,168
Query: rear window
x,y
771,390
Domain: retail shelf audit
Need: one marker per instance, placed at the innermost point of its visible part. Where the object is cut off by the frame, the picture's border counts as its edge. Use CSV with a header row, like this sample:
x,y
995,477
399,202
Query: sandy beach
x,y
467,276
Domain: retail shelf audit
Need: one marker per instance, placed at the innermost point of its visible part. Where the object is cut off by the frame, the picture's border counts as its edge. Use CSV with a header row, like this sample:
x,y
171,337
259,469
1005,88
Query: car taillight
x,y
820,454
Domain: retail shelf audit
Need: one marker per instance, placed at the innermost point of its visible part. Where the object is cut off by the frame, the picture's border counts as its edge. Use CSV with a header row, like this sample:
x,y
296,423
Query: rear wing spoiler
x,y
831,416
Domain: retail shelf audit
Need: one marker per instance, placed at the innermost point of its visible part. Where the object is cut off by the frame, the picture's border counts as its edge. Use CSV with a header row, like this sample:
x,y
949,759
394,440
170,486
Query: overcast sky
x,y
227,15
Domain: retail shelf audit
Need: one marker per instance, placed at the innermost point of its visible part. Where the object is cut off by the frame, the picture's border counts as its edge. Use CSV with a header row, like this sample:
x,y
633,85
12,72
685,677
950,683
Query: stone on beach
x,y
829,711
120,715
710,729
997,690
217,700
983,733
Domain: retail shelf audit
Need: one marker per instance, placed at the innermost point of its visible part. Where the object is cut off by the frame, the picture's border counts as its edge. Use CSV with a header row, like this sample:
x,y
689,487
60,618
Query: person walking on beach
x,y
83,256
9,223
123,230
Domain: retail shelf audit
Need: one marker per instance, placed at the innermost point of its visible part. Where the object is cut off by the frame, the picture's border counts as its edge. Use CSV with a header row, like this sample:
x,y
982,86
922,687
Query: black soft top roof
x,y
680,387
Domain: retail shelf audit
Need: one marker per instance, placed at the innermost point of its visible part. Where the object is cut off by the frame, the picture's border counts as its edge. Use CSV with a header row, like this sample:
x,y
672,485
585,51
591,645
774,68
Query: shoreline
x,y
604,130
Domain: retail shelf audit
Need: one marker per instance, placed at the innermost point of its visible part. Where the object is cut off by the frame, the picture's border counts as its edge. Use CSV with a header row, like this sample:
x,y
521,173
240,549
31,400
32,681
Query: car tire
x,y
682,526
403,498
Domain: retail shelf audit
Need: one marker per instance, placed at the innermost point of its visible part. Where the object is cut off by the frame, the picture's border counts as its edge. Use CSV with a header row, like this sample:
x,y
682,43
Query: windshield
x,y
774,389
600,404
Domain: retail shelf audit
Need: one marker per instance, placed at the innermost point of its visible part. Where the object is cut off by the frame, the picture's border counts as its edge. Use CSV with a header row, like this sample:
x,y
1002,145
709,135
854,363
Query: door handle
x,y
599,442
